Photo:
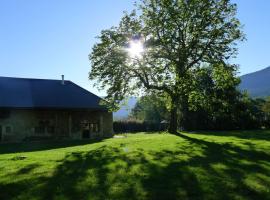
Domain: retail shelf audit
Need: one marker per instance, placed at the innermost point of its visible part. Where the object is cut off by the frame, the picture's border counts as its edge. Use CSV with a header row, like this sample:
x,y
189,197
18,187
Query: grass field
x,y
215,165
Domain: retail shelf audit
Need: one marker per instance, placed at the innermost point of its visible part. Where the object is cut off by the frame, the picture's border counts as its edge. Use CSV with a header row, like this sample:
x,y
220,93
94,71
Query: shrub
x,y
137,126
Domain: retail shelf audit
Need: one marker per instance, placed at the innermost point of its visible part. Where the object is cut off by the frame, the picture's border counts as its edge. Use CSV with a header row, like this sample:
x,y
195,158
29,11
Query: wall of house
x,y
18,125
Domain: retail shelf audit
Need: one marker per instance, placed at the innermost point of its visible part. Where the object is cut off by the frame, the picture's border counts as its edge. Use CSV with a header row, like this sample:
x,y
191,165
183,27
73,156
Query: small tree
x,y
159,50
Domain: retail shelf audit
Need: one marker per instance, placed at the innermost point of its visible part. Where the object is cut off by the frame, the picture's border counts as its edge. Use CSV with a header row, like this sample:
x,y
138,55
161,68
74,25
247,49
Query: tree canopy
x,y
177,37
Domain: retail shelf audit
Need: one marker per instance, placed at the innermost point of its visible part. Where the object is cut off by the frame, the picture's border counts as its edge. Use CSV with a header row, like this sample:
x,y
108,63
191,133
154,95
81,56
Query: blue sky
x,y
47,38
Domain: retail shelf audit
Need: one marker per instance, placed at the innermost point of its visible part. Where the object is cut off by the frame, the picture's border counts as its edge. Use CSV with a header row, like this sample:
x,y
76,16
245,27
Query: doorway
x,y
85,134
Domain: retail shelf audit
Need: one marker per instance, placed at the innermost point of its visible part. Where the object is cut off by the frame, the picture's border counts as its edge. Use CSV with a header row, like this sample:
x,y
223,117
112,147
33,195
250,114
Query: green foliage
x,y
215,87
210,165
178,35
151,108
266,106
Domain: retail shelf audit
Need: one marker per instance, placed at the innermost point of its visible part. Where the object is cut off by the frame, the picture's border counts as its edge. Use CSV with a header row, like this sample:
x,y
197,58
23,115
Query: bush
x,y
137,126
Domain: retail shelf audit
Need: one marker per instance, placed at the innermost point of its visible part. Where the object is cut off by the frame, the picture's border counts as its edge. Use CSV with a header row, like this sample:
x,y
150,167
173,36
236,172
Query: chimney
x,y
63,80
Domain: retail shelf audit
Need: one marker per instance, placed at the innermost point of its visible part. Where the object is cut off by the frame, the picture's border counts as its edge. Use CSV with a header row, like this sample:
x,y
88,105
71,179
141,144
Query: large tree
x,y
158,47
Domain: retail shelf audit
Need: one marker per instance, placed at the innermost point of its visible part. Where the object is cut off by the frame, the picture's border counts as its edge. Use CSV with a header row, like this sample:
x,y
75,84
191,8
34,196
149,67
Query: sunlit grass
x,y
212,165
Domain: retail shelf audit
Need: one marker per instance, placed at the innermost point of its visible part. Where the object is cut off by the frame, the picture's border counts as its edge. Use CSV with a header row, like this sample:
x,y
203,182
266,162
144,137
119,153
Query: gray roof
x,y
44,93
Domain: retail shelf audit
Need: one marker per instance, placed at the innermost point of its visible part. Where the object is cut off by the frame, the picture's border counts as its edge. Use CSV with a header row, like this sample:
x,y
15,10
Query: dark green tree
x,y
159,49
214,97
266,110
151,108
266,106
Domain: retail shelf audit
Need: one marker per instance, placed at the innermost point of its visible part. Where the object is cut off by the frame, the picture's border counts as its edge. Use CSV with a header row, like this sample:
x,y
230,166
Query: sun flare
x,y
135,49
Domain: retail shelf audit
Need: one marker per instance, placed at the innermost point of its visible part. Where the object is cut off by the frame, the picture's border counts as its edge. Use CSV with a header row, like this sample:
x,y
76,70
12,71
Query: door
x,y
85,134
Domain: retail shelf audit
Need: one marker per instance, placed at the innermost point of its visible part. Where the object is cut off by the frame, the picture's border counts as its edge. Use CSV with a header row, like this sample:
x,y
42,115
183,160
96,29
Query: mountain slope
x,y
125,110
257,84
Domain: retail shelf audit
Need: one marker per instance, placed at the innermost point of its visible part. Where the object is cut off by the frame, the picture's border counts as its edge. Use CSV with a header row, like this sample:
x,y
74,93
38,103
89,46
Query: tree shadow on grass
x,y
27,169
250,134
206,170
238,163
112,173
42,145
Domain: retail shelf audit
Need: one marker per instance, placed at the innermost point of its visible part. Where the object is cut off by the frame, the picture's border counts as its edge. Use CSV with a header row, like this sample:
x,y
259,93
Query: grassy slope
x,y
234,165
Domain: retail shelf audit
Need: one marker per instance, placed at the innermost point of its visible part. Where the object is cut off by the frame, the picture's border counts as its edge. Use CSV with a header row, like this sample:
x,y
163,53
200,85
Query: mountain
x,y
125,110
257,84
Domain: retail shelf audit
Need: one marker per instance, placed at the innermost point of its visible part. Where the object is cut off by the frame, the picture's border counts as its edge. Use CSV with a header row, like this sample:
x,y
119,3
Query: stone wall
x,y
18,125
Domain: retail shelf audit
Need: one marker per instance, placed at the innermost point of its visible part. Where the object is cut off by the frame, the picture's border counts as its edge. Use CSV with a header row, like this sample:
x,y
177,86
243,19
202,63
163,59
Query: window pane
x,y
8,129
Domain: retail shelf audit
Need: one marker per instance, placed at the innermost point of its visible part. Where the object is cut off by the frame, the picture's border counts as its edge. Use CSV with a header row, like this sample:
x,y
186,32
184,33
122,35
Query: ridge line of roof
x,y
32,78
85,89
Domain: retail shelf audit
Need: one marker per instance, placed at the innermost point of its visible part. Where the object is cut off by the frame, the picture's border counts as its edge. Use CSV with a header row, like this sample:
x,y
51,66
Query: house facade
x,y
36,109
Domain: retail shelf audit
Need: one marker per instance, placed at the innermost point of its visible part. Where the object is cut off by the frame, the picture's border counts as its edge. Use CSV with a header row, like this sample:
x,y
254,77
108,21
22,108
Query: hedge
x,y
137,126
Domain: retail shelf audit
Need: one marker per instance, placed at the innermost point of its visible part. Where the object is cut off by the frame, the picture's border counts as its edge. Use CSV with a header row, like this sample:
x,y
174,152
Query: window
x,y
8,129
90,127
94,128
44,126
40,130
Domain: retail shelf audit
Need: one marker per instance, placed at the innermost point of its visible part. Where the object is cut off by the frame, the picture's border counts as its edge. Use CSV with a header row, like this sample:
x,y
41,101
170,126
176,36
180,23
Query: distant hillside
x,y
257,84
125,110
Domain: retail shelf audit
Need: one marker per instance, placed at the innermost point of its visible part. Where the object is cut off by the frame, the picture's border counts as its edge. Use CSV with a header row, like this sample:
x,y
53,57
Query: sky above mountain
x,y
44,39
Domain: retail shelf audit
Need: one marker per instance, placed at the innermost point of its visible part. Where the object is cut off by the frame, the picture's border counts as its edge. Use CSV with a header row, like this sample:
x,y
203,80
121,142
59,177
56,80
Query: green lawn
x,y
217,165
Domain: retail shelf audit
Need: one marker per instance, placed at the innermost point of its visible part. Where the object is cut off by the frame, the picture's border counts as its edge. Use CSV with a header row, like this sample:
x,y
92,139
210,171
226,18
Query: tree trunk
x,y
173,118
184,113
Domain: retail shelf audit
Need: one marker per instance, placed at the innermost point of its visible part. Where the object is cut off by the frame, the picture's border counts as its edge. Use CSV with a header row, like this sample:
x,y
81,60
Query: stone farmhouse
x,y
36,109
